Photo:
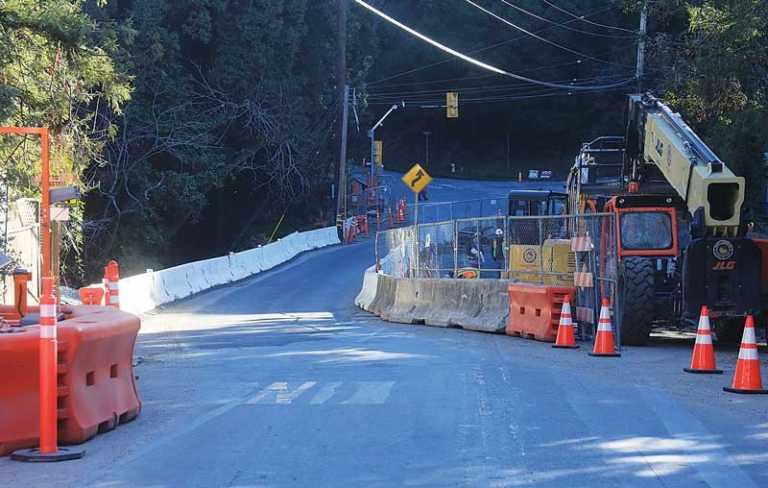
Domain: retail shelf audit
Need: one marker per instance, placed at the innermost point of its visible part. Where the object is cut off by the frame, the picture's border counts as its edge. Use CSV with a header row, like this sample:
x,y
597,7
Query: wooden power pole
x,y
341,86
640,71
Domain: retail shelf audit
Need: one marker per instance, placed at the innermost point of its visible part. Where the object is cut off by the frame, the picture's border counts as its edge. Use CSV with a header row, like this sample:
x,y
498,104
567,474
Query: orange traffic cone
x,y
401,212
604,346
703,359
565,337
746,378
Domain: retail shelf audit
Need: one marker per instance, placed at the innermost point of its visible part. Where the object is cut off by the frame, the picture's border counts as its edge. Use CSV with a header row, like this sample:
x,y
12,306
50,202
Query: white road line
x,y
370,393
278,393
325,393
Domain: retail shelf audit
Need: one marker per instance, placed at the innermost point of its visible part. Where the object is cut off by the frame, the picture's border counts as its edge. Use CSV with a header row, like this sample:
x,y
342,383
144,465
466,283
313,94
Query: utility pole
x,y
508,151
641,47
426,147
341,85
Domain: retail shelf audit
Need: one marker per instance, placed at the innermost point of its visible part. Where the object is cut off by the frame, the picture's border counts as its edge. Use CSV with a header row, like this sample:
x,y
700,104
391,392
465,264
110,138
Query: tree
x,y
712,65
57,70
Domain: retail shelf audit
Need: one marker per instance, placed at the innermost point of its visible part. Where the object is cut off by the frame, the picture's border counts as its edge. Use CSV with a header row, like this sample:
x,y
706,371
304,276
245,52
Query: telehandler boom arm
x,y
657,136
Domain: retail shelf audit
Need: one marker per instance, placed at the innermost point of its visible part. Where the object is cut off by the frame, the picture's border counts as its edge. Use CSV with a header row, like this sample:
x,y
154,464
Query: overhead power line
x,y
583,18
542,39
481,64
547,93
486,48
489,88
564,25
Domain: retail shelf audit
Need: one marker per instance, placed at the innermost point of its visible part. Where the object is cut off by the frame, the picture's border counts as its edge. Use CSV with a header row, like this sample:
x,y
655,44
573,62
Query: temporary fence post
x,y
455,248
480,247
597,290
618,297
541,251
48,450
506,245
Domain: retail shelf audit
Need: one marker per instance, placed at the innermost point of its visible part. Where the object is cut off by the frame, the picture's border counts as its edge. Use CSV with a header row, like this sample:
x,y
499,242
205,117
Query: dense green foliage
x,y
715,71
197,124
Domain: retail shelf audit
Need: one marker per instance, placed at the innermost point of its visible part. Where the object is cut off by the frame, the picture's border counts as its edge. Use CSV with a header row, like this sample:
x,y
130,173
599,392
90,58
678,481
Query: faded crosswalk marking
x,y
362,393
371,393
279,393
325,393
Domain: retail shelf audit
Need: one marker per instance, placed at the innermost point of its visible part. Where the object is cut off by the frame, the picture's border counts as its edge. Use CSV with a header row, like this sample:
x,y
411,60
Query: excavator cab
x,y
526,203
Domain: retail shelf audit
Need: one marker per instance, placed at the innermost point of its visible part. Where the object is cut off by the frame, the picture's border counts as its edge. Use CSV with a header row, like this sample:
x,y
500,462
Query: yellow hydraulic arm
x,y
712,193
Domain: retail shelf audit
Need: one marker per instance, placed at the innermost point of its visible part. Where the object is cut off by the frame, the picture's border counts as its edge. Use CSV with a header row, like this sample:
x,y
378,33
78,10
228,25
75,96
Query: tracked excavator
x,y
681,235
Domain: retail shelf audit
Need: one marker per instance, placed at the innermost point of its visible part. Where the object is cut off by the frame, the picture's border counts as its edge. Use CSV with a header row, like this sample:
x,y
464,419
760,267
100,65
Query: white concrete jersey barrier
x,y
368,292
144,292
481,305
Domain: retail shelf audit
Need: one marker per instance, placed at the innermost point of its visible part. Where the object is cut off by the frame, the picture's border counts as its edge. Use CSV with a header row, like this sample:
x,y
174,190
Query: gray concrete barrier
x,y
481,305
493,309
385,295
404,303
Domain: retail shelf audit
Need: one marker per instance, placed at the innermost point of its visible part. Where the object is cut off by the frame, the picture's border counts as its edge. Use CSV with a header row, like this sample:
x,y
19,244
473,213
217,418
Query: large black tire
x,y
729,331
638,310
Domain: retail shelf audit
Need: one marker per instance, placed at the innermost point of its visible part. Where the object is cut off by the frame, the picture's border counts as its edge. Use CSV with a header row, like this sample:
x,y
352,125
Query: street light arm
x,y
381,121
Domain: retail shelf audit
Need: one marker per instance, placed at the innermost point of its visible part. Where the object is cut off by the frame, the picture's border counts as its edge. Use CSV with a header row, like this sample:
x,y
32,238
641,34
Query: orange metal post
x,y
48,450
45,198
20,280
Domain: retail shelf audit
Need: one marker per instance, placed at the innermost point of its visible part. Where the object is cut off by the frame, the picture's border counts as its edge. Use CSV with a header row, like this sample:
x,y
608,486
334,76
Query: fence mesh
x,y
565,251
442,211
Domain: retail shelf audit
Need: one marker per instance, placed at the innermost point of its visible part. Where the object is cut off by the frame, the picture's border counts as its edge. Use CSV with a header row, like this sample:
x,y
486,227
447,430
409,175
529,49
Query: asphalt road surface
x,y
280,381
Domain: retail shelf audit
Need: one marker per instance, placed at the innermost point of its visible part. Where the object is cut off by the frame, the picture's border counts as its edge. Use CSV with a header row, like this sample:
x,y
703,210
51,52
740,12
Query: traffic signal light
x,y
452,105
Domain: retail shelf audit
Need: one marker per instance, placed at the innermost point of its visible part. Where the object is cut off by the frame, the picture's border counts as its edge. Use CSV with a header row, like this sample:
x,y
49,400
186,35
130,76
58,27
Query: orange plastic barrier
x,y
763,245
534,310
96,388
91,295
19,389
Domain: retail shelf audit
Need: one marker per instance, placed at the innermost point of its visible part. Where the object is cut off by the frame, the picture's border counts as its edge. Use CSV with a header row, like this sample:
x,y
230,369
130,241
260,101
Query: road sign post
x,y
416,179
416,226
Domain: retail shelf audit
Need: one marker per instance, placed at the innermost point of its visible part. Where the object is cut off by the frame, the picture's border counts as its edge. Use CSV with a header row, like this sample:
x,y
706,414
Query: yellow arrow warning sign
x,y
417,178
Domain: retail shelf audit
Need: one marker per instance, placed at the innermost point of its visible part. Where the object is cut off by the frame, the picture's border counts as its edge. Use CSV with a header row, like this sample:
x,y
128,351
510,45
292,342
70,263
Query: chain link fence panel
x,y
563,251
